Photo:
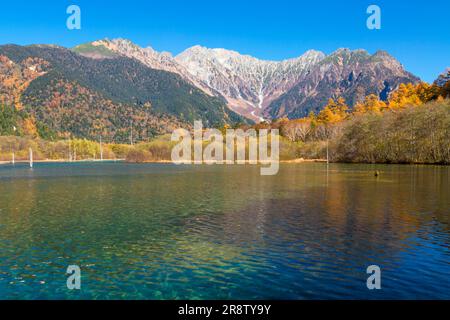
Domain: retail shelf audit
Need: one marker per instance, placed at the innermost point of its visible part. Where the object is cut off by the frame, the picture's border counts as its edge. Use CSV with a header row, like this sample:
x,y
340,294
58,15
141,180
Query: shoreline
x,y
292,161
300,160
62,161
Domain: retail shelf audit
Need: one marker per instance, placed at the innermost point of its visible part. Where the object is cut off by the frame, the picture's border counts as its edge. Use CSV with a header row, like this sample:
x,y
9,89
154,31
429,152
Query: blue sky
x,y
417,34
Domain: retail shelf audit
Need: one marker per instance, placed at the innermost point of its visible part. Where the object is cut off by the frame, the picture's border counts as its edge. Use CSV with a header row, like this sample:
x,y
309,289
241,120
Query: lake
x,y
160,231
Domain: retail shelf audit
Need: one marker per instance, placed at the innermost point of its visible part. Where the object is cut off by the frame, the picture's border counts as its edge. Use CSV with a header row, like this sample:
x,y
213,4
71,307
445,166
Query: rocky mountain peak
x,y
249,84
261,89
148,56
443,78
351,74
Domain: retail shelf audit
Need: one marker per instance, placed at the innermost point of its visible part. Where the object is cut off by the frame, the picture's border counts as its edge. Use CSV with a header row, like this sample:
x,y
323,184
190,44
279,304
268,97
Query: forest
x,y
412,126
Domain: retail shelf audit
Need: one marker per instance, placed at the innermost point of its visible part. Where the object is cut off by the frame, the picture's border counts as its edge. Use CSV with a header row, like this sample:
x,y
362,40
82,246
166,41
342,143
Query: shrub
x,y
138,155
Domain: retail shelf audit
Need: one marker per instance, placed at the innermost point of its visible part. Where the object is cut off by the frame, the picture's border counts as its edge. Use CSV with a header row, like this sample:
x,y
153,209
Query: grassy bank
x,y
77,149
417,134
158,149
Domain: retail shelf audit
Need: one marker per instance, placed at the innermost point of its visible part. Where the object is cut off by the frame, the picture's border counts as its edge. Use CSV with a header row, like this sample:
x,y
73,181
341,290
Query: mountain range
x,y
113,97
260,89
114,86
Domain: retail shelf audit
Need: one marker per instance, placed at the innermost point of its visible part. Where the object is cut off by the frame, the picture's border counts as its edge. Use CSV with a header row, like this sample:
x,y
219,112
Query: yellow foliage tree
x,y
405,95
334,111
427,92
29,127
371,104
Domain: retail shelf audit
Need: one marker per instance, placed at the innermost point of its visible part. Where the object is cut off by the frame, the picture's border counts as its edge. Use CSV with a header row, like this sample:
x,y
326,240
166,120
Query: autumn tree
x,y
405,95
298,129
371,104
335,111
446,90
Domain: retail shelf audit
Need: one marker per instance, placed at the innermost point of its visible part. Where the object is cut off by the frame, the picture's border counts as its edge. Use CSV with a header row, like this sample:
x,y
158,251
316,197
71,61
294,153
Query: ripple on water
x,y
178,232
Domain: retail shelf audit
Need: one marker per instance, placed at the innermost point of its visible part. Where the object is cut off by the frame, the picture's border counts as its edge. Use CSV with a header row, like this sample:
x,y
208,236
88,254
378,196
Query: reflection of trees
x,y
356,214
169,223
17,204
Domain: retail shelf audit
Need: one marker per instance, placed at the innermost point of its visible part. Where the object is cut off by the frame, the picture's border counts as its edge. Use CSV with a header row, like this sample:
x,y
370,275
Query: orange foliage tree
x,y
335,111
406,95
371,104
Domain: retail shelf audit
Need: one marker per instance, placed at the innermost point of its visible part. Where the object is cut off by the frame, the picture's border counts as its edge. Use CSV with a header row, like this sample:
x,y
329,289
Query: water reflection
x,y
208,232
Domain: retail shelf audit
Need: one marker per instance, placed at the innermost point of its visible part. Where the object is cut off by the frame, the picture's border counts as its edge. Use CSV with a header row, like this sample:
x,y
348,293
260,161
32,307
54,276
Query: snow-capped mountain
x,y
294,87
248,84
260,89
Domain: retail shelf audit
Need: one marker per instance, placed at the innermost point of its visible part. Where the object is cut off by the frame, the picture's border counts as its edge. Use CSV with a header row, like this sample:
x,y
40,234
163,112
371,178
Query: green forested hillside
x,y
87,97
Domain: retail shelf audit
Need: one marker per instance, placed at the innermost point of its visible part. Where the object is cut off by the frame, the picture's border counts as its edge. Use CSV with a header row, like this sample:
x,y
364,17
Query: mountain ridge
x,y
344,73
214,85
264,89
74,94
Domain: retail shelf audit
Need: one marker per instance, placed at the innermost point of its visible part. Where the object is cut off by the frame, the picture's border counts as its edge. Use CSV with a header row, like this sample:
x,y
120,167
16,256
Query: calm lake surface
x,y
160,231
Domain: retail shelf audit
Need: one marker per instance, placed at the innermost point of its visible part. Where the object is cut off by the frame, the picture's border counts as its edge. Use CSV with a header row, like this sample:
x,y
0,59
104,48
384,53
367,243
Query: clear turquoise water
x,y
158,231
